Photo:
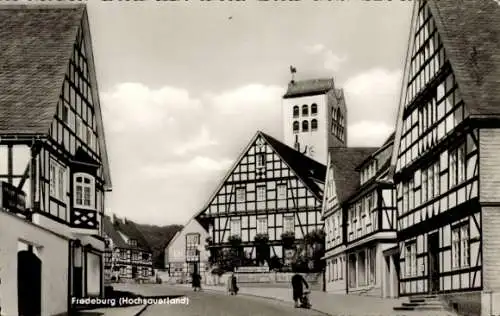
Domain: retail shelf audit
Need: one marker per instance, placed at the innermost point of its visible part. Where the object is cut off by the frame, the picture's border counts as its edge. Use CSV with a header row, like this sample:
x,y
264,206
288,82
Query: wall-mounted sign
x,y
12,199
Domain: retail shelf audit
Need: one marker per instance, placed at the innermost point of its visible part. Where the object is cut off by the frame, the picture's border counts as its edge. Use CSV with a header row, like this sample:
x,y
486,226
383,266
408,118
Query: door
x,y
433,261
29,284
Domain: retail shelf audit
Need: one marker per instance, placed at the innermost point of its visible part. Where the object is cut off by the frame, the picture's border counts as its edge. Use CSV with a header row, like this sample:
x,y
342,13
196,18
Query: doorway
x,y
29,283
433,261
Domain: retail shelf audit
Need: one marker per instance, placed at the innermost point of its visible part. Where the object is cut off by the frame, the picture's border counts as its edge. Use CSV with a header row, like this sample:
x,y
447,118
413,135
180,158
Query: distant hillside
x,y
158,237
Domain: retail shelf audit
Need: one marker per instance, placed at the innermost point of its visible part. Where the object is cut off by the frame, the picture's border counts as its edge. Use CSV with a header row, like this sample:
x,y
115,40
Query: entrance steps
x,y
423,303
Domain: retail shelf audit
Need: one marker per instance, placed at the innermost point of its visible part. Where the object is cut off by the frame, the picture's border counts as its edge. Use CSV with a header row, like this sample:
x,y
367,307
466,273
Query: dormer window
x,y
84,191
305,110
132,242
296,111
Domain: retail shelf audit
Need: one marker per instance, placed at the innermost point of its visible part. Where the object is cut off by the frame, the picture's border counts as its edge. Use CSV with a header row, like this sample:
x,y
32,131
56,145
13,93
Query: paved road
x,y
210,304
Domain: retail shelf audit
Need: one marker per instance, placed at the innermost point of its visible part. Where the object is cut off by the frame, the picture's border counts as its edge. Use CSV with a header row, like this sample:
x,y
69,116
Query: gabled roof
x,y
386,144
129,229
308,87
112,233
36,44
307,169
344,161
470,32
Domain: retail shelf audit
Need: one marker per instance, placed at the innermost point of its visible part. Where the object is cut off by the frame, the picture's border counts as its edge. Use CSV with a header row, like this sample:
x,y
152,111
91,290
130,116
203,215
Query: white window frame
x,y
262,225
261,192
288,220
281,191
57,180
90,186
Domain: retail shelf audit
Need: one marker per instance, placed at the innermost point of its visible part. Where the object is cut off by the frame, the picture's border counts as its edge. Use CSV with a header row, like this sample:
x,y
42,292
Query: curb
x,y
142,310
273,299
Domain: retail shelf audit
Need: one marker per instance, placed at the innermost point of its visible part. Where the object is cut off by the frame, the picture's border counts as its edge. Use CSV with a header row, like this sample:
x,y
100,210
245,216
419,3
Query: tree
x,y
214,256
275,263
262,249
288,240
314,243
235,254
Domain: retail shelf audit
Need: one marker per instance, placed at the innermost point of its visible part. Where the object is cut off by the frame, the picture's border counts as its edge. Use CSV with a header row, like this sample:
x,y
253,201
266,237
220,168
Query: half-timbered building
x,y
445,158
186,252
53,161
132,254
271,189
314,117
341,182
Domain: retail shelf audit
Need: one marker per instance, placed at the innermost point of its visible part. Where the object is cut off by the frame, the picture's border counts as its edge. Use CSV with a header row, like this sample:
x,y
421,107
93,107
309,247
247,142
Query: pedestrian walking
x,y
196,281
298,283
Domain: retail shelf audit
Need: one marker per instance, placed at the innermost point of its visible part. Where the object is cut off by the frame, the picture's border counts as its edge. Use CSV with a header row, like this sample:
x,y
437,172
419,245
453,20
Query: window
x,y
57,175
411,259
261,193
296,126
314,124
235,227
453,168
281,188
262,225
90,138
78,127
460,247
314,109
240,195
305,126
296,111
65,113
261,160
288,224
132,242
84,191
305,110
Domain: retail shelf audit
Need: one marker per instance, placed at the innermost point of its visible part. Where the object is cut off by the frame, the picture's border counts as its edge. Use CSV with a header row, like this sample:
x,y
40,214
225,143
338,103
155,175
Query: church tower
x,y
314,117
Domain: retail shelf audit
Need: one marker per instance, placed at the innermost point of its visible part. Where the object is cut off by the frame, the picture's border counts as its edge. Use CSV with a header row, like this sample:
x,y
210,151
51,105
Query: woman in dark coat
x,y
196,281
298,283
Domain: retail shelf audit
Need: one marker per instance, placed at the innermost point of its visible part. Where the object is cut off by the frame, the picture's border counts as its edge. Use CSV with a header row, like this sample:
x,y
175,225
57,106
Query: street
x,y
211,303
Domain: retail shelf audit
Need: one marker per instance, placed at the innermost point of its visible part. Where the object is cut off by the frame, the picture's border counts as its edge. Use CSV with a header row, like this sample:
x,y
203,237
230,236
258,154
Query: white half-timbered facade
x,y
186,252
446,154
53,162
271,189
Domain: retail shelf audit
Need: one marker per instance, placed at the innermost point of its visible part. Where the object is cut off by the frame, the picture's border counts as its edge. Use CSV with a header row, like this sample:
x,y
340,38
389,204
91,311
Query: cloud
x,y
331,61
368,133
315,49
194,167
203,140
162,141
133,105
373,94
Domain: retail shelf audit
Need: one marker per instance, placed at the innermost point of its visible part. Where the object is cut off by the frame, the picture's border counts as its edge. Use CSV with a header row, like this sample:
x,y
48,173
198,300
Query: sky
x,y
184,85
